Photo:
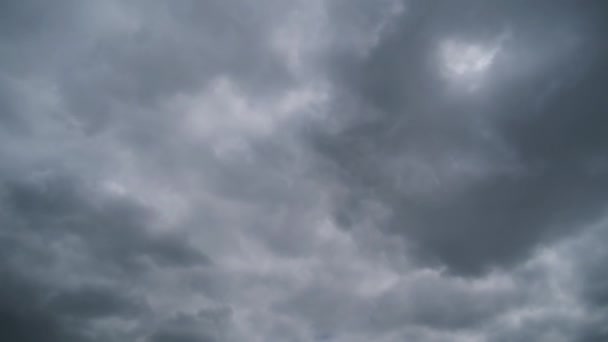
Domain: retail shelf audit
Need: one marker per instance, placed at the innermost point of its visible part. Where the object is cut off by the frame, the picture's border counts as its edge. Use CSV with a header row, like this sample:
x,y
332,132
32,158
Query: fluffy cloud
x,y
302,171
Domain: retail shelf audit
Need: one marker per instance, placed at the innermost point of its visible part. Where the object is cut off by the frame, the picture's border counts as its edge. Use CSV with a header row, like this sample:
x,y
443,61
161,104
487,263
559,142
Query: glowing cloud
x,y
467,63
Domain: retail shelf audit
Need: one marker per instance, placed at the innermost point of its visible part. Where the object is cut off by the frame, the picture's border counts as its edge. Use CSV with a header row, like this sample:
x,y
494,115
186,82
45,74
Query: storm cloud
x,y
303,170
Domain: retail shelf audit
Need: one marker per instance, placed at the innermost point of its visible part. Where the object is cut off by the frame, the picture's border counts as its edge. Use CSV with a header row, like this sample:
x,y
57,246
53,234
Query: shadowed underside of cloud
x,y
477,178
64,252
307,170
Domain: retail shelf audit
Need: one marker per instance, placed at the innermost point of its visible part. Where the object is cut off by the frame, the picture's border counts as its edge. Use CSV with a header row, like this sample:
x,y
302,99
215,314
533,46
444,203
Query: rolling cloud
x,y
317,170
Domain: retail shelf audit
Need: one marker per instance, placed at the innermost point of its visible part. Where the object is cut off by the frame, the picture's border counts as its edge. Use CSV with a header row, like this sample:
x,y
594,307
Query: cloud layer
x,y
303,171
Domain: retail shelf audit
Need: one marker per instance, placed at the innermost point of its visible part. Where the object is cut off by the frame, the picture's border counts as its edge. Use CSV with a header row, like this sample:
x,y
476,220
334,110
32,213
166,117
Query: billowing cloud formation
x,y
482,156
303,171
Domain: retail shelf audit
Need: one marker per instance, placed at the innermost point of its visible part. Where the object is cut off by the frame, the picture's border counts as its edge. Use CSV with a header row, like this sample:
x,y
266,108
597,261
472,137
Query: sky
x,y
303,170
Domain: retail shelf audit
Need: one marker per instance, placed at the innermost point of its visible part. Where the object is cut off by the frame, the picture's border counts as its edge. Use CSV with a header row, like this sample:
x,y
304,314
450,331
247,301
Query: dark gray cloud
x,y
95,301
307,170
475,178
69,256
59,208
23,317
187,328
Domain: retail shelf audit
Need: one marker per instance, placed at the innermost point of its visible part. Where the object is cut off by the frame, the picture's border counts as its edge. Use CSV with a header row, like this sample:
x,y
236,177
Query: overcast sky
x,y
303,170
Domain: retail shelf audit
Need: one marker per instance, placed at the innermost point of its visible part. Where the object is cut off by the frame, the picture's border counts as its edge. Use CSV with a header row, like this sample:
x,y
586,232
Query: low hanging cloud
x,y
491,152
303,171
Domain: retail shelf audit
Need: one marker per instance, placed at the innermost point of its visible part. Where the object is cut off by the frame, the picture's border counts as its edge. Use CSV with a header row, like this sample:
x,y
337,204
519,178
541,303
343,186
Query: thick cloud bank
x,y
304,170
